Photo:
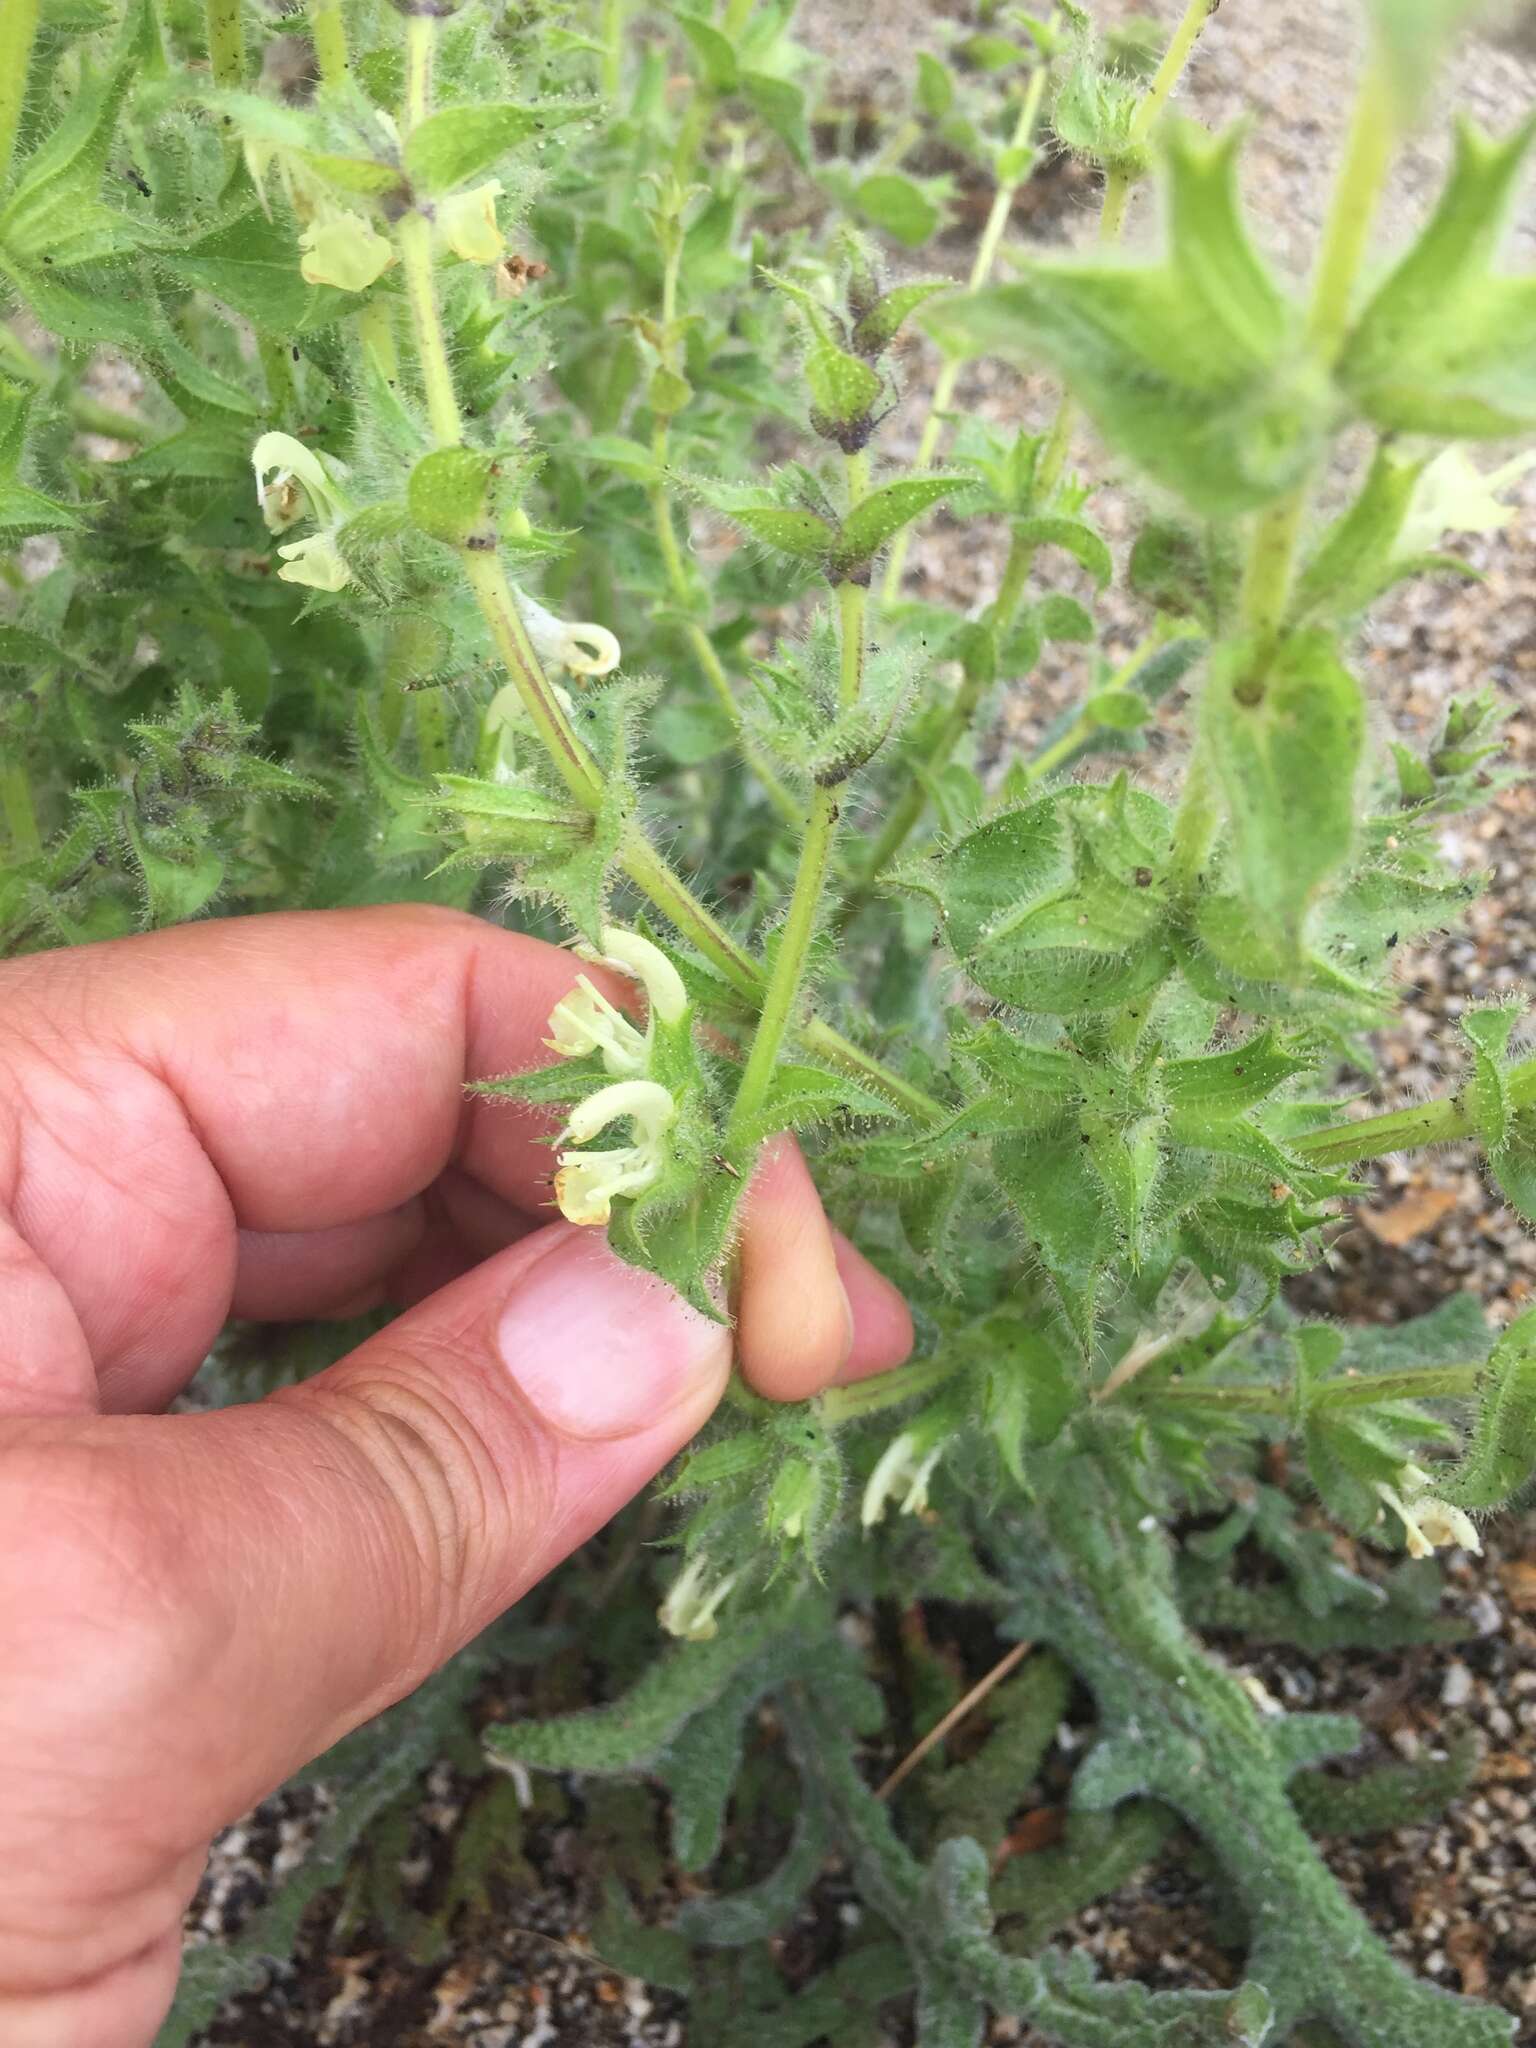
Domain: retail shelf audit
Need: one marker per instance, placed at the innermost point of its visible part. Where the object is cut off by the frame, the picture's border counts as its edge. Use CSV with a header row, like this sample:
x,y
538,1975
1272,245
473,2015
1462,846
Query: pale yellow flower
x,y
316,562
346,250
467,223
588,1183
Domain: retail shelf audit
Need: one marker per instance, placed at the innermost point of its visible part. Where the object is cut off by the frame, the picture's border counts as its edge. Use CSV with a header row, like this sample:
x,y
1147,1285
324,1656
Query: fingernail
x,y
600,1349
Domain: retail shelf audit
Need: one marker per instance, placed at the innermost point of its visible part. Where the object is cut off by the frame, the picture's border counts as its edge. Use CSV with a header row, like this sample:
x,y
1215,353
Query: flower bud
x,y
693,1601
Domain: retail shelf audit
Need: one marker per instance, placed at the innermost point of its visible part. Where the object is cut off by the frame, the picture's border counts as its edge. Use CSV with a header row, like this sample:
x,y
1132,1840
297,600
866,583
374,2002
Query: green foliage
x,y
513,603
1191,366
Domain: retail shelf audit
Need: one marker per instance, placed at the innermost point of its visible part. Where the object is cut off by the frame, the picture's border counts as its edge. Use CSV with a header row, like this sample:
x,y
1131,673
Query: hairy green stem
x,y
1272,550
415,238
839,1405
1401,1130
615,21
18,32
1424,1383
226,41
792,953
1195,825
1053,455
420,50
17,810
328,27
89,414
981,269
789,963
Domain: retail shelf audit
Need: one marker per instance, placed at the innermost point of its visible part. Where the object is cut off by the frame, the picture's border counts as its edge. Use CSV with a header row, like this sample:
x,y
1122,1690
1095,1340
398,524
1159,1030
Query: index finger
x,y
318,1058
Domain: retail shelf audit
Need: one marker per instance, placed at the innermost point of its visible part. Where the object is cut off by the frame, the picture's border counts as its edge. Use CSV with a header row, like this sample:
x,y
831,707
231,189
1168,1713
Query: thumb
x,y
202,1603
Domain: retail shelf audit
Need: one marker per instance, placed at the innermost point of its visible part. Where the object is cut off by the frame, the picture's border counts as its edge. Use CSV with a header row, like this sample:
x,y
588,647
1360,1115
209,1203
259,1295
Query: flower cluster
x,y
292,484
584,1023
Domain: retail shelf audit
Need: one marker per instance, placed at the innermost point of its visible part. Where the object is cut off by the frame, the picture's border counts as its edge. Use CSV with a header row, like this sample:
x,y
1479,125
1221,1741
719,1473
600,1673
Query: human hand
x,y
266,1117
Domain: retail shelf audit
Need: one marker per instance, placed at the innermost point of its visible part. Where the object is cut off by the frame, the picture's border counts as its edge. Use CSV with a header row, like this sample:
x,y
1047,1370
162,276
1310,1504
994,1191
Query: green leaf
x,y
885,511
1117,710
176,887
1286,750
780,104
1500,1457
1355,558
802,1097
1058,908
844,389
900,206
447,493
635,1729
1061,617
1485,1095
618,451
1219,1085
459,143
1191,366
790,532
60,179
24,511
1076,536
715,52
874,331
1059,1200
1448,345
252,264
935,87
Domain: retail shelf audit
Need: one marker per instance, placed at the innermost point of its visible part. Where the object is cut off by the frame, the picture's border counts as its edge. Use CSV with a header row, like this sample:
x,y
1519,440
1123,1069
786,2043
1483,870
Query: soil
x,y
1456,1899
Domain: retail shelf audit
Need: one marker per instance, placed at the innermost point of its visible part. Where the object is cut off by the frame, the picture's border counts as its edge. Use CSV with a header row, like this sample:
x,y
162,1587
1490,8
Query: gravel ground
x,y
1460,1897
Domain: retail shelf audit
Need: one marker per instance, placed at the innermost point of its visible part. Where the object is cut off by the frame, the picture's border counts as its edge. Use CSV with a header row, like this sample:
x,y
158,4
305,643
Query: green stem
x,y
1438,1122
681,584
1272,549
415,237
431,733
799,930
18,32
226,41
87,413
277,368
981,269
573,762
420,49
1426,1383
840,1405
615,20
1180,48
789,963
850,606
17,809
1194,825
328,27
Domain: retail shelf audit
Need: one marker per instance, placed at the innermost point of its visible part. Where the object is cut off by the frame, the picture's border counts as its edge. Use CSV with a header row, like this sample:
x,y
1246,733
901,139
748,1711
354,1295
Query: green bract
x,y
428,547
